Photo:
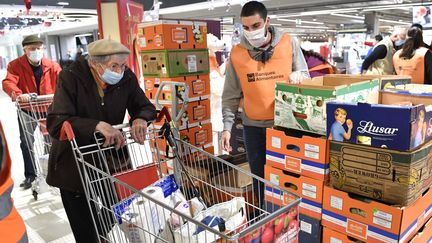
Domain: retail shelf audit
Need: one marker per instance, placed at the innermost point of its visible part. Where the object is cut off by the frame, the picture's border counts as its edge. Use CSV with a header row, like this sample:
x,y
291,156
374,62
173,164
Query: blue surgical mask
x,y
399,42
111,77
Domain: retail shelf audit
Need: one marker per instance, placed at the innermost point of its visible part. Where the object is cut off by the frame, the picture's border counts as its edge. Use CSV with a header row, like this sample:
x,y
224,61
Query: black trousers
x,y
79,214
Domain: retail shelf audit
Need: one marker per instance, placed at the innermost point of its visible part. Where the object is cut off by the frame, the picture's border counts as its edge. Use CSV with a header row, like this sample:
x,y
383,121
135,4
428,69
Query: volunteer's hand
x,y
112,135
23,98
225,141
138,130
296,77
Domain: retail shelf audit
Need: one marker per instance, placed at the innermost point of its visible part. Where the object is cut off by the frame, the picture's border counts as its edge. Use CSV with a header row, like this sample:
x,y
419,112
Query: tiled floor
x,y
45,218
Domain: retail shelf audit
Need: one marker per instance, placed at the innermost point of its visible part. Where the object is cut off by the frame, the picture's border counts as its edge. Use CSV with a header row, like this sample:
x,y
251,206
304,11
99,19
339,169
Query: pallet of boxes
x,y
173,50
332,177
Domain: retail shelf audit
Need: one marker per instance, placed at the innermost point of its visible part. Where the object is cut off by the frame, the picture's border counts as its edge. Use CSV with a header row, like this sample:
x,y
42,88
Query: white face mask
x,y
256,38
36,56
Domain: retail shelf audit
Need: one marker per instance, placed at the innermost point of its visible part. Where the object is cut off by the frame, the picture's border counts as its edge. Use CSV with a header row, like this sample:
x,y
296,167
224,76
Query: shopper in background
x,y
264,56
92,95
380,61
317,64
12,228
421,28
30,73
377,38
414,59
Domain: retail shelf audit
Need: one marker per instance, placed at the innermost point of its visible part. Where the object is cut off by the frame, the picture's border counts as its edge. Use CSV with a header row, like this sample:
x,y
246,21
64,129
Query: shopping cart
x,y
124,191
32,117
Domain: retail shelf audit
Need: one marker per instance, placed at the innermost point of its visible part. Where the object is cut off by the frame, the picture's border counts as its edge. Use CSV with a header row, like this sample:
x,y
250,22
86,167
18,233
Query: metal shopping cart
x,y
32,117
122,190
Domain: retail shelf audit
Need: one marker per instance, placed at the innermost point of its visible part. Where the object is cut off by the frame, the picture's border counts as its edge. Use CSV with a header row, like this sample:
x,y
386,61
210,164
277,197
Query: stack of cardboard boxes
x,y
174,50
368,182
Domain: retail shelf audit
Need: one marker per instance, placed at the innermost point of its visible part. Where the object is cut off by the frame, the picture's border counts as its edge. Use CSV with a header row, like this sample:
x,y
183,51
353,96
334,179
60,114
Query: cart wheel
x,y
35,195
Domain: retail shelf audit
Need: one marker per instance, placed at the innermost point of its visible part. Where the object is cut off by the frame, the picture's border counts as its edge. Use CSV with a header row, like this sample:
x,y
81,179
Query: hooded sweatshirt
x,y
232,93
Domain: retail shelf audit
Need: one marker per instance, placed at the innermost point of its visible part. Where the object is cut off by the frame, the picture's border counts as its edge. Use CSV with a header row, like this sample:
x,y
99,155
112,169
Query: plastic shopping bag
x,y
228,216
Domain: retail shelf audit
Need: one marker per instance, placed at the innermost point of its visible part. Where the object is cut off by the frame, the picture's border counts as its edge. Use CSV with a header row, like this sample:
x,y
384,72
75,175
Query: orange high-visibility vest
x,y
12,228
258,80
413,67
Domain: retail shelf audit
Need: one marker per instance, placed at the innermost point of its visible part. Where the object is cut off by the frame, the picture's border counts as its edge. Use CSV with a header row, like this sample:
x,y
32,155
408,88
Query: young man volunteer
x,y
264,56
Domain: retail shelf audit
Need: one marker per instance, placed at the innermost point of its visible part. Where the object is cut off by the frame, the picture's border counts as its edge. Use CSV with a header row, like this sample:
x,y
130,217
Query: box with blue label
x,y
400,121
303,106
310,229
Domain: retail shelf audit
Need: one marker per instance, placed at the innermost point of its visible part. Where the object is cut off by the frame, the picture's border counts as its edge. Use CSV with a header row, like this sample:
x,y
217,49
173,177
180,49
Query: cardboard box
x,y
387,175
310,229
199,88
424,234
309,189
297,152
197,114
332,236
166,64
302,106
385,124
172,35
198,136
234,178
372,221
385,81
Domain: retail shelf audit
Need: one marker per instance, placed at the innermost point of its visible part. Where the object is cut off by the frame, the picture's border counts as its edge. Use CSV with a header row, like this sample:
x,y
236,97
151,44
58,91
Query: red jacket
x,y
20,78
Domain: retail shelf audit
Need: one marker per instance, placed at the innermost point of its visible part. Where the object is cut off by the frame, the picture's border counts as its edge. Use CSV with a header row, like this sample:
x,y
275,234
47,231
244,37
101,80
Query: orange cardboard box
x,y
332,236
172,35
199,88
311,190
293,151
198,136
372,221
197,113
424,234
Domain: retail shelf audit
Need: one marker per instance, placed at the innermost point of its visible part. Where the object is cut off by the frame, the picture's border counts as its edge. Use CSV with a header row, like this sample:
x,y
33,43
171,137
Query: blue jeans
x,y
255,141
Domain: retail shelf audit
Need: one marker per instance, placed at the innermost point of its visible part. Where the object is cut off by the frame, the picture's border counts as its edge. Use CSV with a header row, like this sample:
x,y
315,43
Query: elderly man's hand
x,y
23,98
138,130
112,135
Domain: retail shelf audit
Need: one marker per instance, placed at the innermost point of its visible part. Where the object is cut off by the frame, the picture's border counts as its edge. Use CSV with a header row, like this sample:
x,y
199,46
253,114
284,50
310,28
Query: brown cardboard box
x,y
385,81
234,178
387,175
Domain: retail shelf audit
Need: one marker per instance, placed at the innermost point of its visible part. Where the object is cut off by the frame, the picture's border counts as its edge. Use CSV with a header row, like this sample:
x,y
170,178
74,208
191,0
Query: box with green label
x,y
303,106
173,63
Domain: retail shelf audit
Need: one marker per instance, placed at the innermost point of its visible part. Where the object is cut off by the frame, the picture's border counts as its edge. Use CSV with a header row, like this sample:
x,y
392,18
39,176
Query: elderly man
x,y
380,60
93,94
30,73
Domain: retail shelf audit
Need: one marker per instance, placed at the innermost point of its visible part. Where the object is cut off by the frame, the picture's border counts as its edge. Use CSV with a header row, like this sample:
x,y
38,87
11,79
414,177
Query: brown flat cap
x,y
106,47
31,39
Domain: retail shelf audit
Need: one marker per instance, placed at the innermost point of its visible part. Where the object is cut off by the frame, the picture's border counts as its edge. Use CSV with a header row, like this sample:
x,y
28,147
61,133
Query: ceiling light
x,y
63,3
394,21
295,21
347,16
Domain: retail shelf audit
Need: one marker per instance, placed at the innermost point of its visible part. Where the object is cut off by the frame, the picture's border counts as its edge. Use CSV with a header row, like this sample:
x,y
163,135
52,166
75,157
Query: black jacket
x,y
77,100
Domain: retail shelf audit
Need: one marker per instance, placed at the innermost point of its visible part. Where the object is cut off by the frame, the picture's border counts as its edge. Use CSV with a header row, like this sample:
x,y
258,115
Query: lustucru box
x,y
372,221
309,189
386,125
172,35
199,88
175,63
303,106
305,154
387,175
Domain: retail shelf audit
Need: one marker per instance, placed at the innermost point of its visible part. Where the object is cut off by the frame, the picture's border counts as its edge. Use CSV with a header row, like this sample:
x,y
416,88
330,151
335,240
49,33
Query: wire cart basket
x,y
32,117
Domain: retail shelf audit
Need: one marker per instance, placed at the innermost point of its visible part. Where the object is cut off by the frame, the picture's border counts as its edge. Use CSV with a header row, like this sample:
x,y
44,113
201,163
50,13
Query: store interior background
x,y
343,26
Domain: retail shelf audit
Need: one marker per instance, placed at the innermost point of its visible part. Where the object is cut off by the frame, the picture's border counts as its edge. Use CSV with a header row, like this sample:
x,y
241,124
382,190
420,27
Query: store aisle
x,y
45,218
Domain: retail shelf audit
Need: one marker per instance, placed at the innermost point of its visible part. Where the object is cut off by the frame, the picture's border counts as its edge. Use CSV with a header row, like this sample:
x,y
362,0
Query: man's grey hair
x,y
105,58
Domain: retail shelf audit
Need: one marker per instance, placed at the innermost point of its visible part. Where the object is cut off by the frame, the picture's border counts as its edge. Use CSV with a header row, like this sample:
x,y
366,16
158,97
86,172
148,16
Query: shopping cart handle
x,y
66,132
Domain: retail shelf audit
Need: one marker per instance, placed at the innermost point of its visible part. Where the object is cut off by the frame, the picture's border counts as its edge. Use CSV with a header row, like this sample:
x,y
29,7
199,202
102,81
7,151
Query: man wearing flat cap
x,y
92,95
30,73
